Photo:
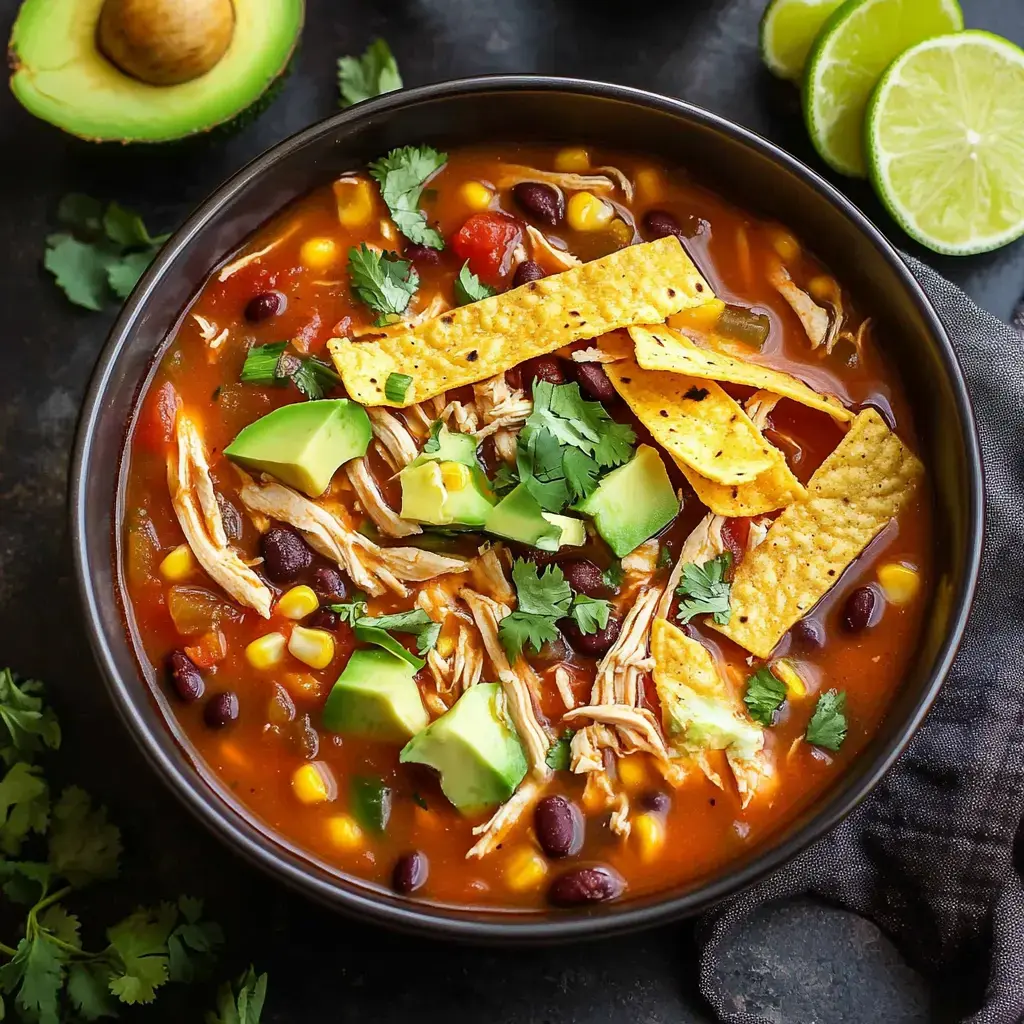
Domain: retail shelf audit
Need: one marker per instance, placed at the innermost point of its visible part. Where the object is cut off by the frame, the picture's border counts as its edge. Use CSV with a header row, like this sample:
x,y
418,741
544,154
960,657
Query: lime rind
x,y
837,82
927,155
788,31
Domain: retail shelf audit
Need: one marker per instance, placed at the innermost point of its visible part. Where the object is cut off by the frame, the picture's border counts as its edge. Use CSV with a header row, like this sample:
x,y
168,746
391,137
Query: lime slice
x,y
859,41
788,29
945,144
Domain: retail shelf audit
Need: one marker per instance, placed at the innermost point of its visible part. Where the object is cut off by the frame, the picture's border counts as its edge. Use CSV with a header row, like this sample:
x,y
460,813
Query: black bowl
x,y
522,108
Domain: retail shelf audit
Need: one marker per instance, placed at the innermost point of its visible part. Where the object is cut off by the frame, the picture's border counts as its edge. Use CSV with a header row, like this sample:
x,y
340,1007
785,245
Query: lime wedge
x,y
788,29
859,41
945,141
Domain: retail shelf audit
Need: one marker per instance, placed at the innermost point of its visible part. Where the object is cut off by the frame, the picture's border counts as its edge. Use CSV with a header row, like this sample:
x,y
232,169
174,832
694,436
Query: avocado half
x,y
61,76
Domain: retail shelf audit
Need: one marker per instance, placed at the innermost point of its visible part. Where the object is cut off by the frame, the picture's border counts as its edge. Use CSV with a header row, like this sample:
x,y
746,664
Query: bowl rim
x,y
257,845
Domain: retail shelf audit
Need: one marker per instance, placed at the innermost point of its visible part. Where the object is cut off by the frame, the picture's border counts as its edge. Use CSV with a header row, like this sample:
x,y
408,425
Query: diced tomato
x,y
212,648
487,241
156,421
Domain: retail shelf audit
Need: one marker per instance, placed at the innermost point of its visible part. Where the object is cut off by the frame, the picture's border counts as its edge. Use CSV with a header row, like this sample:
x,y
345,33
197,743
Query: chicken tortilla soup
x,y
516,527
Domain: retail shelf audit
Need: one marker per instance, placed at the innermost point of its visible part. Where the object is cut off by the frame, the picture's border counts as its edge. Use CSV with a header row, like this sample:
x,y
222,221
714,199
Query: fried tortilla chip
x,y
639,284
660,348
775,488
855,492
696,422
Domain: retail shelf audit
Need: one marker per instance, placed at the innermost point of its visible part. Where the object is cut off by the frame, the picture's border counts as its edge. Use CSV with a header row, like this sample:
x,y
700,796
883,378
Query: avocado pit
x,y
165,42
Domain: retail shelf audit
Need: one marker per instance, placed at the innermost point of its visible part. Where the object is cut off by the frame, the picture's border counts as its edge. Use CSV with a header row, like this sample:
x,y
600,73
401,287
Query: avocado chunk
x,y
451,447
445,493
633,502
62,76
518,516
376,697
304,444
475,748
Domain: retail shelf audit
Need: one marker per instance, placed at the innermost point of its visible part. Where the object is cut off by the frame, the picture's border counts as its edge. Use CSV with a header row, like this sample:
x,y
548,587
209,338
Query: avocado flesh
x,y
518,516
475,748
452,447
633,502
376,697
426,499
61,76
304,444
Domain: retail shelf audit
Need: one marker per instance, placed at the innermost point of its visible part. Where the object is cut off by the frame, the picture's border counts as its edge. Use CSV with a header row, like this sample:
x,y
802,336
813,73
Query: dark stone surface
x,y
801,964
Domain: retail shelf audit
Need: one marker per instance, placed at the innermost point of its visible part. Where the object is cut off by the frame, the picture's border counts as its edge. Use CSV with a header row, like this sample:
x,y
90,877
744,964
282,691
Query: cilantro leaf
x,y
469,287
705,589
84,846
519,629
383,281
558,754
24,881
765,695
140,945
505,479
242,1004
590,613
665,557
539,463
433,443
349,611
372,74
581,473
561,409
80,269
125,228
24,805
36,972
274,365
124,272
613,575
83,214
416,622
543,598
193,944
314,378
828,725
401,176
61,925
88,990
30,725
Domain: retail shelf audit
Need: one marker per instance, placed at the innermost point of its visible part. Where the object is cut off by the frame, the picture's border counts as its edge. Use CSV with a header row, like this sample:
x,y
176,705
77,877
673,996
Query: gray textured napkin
x,y
929,856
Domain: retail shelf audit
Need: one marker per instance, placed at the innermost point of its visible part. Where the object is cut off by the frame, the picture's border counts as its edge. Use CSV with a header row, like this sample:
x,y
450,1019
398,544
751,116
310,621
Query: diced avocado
x,y
452,447
122,72
444,493
518,516
633,502
475,748
376,697
698,722
304,444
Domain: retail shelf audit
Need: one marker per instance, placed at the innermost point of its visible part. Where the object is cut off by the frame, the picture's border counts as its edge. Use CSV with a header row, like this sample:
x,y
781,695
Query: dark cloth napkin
x,y
929,856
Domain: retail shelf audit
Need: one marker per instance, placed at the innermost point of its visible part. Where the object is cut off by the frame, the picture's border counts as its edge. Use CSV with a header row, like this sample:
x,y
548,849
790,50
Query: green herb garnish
x,y
558,755
383,281
543,598
401,176
506,478
433,442
827,727
396,386
372,74
765,695
613,575
370,801
275,365
665,558
241,1003
705,590
469,287
349,611
589,613
416,622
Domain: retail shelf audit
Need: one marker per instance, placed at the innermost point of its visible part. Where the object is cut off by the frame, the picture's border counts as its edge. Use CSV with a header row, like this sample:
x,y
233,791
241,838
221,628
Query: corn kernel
x,y
784,671
313,647
585,212
297,603
525,870
476,195
785,245
632,772
572,158
700,318
621,232
354,199
900,582
318,253
650,186
649,830
179,564
313,783
266,651
454,476
344,831
823,288
445,646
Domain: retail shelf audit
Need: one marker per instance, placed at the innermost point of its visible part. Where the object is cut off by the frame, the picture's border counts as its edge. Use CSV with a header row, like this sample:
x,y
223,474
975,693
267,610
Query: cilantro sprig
x,y
765,695
383,281
558,755
416,622
373,73
828,725
705,590
469,287
275,364
402,175
103,253
349,611
241,1003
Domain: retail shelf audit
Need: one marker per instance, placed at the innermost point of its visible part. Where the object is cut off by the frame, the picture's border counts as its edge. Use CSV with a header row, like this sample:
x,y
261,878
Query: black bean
x,y
188,683
559,826
593,381
221,709
543,368
421,253
659,223
323,618
808,634
526,272
264,306
655,801
861,610
329,584
585,577
593,645
585,885
410,872
285,554
542,202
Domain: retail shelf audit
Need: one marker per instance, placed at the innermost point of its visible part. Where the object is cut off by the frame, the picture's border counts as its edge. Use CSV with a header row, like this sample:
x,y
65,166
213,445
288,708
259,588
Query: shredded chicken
x,y
563,683
619,820
818,325
462,414
506,445
542,246
513,174
494,831
418,420
759,407
195,504
757,532
434,702
598,792
636,728
435,307
384,517
440,670
372,568
704,543
596,355
468,659
750,775
394,436
500,407
641,563
625,185
207,329
243,261
855,338
488,574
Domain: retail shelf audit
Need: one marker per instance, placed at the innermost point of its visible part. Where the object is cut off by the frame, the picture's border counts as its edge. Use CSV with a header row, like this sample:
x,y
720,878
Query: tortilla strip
x,y
639,284
659,348
696,422
775,488
855,492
